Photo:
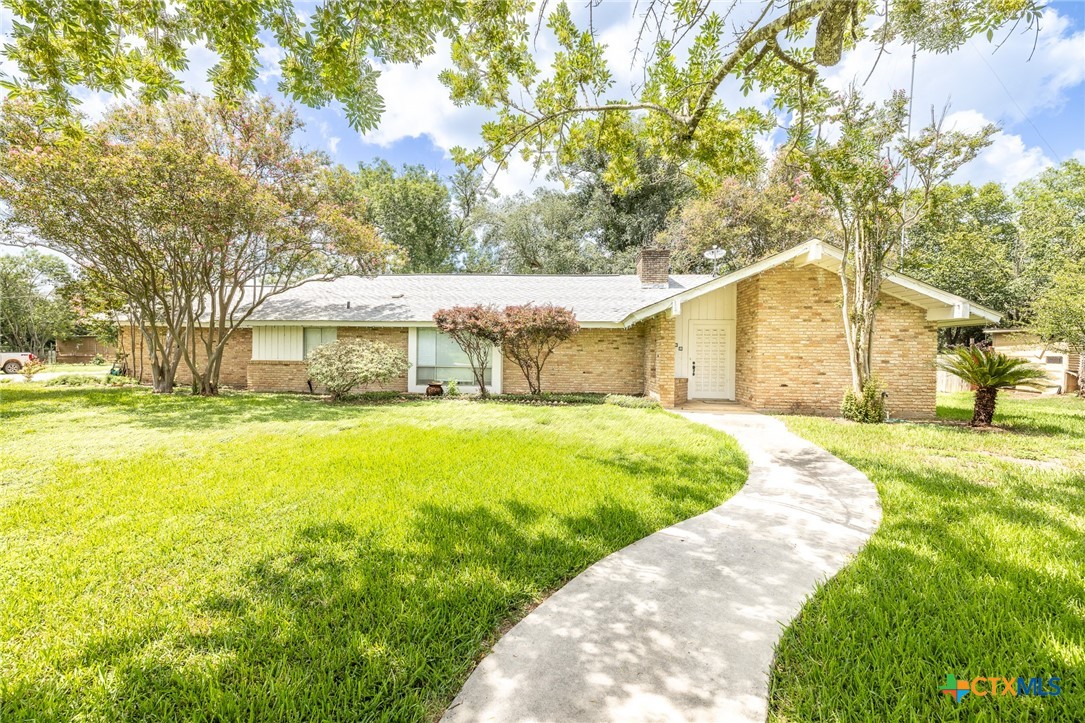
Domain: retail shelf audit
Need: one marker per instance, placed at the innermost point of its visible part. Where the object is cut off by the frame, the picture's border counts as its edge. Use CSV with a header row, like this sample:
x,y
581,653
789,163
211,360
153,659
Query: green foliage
x,y
548,232
74,380
452,388
281,542
327,53
412,211
868,407
966,242
345,364
33,310
628,219
1058,316
623,400
91,380
1052,223
988,369
99,359
748,220
572,105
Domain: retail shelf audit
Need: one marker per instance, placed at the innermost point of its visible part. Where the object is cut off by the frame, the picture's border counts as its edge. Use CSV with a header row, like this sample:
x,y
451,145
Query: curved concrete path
x,y
681,626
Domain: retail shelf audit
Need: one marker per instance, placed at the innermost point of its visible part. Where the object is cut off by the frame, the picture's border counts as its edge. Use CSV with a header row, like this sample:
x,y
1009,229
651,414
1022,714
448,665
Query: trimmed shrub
x,y
624,400
529,335
73,380
868,407
348,363
119,381
88,380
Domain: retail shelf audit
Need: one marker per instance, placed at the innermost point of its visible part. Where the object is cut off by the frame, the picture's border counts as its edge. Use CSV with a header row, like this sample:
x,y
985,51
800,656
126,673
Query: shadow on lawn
x,y
347,624
973,582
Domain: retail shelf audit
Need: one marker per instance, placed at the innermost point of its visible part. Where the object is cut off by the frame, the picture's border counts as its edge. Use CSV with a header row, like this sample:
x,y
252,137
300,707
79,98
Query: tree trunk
x,y
983,412
1081,373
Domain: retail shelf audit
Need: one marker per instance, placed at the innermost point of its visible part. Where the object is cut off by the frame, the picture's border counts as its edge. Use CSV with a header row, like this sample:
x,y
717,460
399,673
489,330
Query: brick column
x,y
665,361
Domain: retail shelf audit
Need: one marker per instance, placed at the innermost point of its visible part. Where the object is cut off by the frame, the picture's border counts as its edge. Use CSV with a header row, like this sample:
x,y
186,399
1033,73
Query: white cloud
x,y
1007,160
1005,85
417,104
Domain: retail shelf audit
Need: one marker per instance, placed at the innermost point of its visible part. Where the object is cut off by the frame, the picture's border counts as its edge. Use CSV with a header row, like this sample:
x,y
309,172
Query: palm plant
x,y
988,371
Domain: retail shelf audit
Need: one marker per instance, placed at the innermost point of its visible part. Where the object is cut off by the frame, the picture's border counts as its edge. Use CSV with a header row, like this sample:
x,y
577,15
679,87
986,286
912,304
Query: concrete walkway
x,y
681,626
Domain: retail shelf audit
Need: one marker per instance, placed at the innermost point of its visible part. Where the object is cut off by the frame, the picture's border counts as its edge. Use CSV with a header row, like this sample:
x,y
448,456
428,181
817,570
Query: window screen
x,y
440,359
314,336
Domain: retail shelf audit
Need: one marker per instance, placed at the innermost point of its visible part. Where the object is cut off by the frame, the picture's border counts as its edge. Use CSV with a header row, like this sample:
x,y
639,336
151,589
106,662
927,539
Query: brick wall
x,y
604,361
395,337
235,359
658,361
791,355
278,376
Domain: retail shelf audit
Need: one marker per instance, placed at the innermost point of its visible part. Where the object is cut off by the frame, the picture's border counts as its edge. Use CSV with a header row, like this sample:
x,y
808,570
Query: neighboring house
x,y
1061,366
769,336
82,350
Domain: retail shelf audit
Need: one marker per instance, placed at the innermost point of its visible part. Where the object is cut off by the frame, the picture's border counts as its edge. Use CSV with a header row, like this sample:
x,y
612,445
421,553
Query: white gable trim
x,y
949,310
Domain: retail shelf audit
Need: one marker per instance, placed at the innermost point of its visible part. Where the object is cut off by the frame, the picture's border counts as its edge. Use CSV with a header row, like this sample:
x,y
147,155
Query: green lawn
x,y
278,558
978,570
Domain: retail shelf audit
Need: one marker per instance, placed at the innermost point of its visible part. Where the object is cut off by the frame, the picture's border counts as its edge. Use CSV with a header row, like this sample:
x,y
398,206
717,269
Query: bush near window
x,y
530,333
868,407
348,363
476,329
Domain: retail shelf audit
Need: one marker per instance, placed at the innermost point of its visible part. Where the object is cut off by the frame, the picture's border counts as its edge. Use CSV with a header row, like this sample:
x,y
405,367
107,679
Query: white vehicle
x,y
12,361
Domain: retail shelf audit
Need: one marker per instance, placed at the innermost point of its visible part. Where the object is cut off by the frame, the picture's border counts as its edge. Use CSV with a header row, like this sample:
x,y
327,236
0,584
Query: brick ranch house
x,y
768,336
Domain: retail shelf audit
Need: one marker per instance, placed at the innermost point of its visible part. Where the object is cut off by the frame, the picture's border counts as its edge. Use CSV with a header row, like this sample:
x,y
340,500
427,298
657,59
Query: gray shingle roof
x,y
415,298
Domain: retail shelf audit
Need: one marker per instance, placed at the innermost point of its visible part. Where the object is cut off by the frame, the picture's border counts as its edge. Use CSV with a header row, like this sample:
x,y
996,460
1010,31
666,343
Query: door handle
x,y
694,368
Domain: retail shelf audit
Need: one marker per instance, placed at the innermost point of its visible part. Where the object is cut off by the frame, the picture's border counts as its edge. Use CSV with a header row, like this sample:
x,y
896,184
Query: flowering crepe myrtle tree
x,y
530,333
196,212
856,157
476,329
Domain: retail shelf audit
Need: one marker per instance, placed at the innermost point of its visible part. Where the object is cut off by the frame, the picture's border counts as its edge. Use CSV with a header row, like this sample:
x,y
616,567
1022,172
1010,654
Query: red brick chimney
x,y
654,268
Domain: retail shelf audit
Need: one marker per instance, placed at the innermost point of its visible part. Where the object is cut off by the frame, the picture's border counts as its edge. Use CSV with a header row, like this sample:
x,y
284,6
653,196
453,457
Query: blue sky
x,y
1039,103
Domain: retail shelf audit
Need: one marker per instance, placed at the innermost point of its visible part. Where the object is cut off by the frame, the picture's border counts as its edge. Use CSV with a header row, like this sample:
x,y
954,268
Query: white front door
x,y
712,360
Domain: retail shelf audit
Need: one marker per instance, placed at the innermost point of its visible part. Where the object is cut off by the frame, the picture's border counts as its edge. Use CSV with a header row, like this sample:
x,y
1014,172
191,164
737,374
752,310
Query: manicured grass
x,y
278,558
978,570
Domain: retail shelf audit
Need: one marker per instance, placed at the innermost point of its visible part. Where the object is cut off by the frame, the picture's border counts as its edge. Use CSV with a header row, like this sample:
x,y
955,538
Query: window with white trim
x,y
314,336
438,358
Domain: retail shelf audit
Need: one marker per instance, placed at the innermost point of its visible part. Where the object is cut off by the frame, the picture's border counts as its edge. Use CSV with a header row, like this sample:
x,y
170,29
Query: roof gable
x,y
942,307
